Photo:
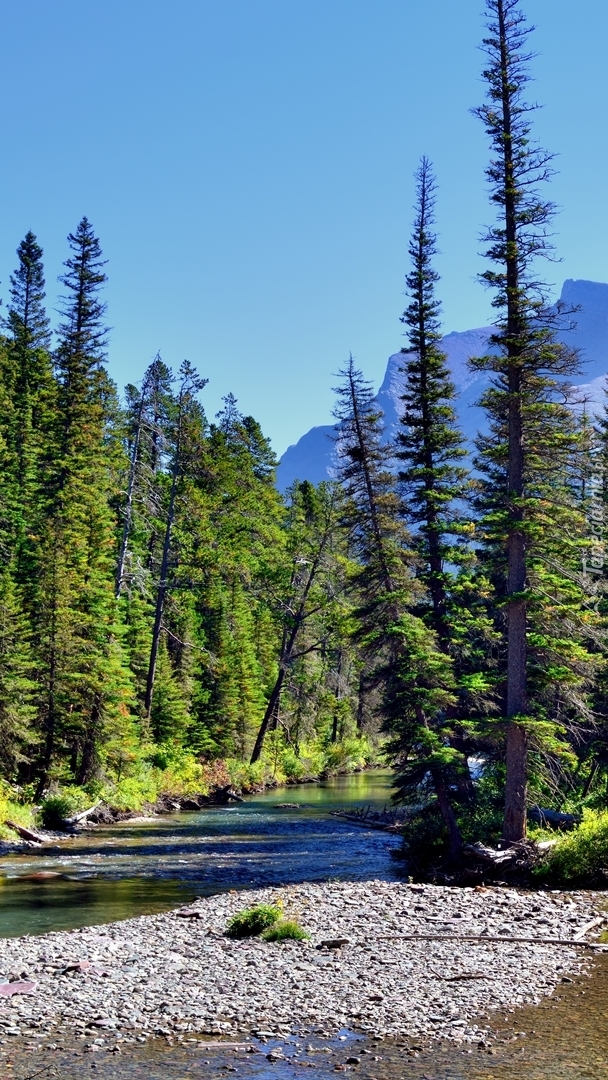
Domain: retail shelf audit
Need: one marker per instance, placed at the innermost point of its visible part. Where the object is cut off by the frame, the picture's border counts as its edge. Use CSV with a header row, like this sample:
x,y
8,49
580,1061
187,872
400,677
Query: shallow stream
x,y
136,868
117,872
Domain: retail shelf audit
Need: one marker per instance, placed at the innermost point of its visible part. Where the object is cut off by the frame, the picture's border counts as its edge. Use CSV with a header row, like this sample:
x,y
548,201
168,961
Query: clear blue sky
x,y
247,165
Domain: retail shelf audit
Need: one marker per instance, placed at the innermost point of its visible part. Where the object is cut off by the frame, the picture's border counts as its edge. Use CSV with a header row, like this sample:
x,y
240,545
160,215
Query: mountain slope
x,y
313,456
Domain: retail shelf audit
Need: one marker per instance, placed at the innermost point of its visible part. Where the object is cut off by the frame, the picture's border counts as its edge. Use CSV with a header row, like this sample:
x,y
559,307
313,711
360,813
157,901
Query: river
x,y
116,872
120,871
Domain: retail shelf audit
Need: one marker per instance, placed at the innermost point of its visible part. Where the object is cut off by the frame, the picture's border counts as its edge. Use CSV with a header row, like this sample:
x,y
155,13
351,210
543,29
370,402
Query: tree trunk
x,y
162,591
514,828
516,751
89,749
447,813
124,543
271,712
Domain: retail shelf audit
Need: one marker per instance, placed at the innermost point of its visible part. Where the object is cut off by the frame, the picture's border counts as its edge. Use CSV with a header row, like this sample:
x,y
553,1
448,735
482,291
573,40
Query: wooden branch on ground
x,y
462,975
486,937
82,815
25,834
590,926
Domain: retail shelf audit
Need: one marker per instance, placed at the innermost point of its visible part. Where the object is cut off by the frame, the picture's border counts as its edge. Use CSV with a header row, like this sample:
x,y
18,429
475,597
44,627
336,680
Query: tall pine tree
x,y
531,441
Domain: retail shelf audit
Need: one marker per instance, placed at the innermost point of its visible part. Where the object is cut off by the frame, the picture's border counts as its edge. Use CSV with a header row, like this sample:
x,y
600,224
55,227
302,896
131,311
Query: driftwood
x,y
590,926
552,817
462,975
82,815
372,819
485,937
25,834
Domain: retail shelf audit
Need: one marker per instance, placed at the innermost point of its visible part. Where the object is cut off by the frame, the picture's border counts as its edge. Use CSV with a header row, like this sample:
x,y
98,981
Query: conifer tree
x,y
27,320
83,670
187,426
415,676
530,439
17,683
307,597
28,418
433,482
148,427
429,444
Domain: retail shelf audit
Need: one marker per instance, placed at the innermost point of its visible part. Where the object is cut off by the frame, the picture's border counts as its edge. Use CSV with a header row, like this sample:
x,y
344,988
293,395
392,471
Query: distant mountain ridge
x,y
313,457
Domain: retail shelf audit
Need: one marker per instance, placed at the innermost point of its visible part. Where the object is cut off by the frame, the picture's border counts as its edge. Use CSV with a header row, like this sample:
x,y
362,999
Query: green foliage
x,y
252,921
286,930
170,623
580,856
55,810
14,807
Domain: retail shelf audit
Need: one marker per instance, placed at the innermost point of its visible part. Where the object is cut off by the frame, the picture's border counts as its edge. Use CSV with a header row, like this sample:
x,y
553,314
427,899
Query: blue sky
x,y
247,165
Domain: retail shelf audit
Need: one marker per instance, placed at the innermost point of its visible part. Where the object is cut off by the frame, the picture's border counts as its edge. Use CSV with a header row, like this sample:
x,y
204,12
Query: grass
x,y
13,809
252,921
286,930
580,855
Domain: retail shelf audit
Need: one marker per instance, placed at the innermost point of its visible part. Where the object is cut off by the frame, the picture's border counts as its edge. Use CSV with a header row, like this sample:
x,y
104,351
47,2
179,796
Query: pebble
x,y
166,975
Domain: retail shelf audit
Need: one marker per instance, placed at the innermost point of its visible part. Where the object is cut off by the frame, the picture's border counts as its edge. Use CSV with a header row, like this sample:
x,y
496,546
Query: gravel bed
x,y
173,974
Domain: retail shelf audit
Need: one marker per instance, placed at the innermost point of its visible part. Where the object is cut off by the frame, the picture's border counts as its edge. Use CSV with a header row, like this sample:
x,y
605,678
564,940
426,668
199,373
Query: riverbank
x,y
420,961
191,788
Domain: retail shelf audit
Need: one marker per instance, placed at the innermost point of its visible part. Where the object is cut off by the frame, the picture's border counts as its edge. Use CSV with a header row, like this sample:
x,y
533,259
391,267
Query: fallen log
x,y
82,815
462,975
543,816
590,926
25,834
603,946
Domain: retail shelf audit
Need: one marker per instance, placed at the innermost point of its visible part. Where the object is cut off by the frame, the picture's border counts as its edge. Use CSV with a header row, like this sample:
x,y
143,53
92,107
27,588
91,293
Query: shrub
x,y
252,921
286,930
55,810
12,808
580,855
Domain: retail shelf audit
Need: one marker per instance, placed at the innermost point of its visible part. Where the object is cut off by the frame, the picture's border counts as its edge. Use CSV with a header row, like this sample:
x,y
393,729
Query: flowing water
x,y
136,868
133,868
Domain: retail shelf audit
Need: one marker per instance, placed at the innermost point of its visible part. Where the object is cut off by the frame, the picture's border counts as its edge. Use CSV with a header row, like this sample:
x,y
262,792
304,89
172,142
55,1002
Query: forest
x,y
170,622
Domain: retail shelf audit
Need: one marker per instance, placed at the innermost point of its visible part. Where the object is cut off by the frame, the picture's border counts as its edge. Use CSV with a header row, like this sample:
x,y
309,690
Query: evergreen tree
x,y
307,597
416,678
17,685
147,436
187,428
429,448
429,444
83,669
27,320
28,417
530,437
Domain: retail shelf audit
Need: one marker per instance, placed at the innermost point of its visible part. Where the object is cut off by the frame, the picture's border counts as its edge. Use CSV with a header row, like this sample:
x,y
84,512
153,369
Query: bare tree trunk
x,y
269,715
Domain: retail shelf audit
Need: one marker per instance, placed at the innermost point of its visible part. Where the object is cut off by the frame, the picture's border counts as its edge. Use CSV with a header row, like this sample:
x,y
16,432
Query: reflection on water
x,y
130,869
119,871
565,1038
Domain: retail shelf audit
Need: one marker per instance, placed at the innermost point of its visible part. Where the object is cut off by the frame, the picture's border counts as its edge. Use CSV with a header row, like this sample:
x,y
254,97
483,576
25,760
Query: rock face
x,y
313,457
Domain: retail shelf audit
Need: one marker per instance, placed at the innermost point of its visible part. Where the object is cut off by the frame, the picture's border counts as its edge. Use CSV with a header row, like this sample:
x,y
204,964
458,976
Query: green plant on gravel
x,y
252,921
286,930
580,855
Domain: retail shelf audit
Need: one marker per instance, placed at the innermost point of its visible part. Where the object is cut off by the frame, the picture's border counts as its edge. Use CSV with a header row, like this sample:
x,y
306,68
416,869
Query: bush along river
x,y
396,980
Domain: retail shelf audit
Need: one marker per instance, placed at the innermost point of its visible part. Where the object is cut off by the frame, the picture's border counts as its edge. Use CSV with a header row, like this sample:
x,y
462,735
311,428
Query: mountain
x,y
313,457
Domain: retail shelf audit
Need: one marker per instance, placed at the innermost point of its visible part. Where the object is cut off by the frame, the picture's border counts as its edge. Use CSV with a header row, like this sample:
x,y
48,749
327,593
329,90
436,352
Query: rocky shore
x,y
415,960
